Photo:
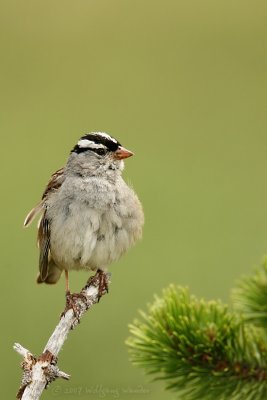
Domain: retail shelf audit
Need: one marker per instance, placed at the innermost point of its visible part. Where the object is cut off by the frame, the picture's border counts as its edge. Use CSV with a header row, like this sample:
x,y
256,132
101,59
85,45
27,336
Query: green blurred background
x,y
182,84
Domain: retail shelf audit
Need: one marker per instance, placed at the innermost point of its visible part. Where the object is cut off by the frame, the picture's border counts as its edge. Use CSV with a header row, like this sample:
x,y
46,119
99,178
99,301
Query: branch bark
x,y
39,372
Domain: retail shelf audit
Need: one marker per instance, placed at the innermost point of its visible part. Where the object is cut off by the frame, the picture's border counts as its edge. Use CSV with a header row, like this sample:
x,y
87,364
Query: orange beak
x,y
122,153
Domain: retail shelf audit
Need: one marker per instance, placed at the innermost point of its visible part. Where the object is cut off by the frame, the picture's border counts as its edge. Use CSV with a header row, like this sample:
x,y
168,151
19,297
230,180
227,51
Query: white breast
x,y
88,233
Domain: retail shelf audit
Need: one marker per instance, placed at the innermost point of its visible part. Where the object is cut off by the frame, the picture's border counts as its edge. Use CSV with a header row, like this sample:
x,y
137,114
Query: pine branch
x,y
250,297
202,349
39,372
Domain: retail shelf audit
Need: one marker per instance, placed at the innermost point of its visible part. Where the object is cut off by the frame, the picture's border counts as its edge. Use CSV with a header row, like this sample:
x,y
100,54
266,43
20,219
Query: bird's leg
x,y
100,279
67,281
71,299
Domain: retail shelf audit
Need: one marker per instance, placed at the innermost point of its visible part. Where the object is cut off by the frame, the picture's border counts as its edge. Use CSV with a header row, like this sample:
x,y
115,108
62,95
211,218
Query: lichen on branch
x,y
39,372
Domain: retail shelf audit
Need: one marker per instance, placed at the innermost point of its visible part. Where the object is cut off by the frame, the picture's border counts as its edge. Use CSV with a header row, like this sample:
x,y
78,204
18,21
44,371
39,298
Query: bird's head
x,y
100,151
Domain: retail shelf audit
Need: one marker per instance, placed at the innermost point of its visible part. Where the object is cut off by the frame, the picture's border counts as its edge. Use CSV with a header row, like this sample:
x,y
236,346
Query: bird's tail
x,y
53,275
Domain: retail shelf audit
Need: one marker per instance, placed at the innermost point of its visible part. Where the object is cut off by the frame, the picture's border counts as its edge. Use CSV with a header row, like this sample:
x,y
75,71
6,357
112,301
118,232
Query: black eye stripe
x,y
97,140
100,152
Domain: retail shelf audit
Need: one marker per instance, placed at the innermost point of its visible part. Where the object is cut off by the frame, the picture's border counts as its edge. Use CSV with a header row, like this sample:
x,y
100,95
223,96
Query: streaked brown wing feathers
x,y
44,247
54,183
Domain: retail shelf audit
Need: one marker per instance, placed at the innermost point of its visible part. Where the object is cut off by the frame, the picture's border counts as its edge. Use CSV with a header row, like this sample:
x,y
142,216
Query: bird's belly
x,y
91,240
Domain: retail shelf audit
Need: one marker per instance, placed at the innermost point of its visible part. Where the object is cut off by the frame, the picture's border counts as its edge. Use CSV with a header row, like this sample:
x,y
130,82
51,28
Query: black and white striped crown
x,y
99,142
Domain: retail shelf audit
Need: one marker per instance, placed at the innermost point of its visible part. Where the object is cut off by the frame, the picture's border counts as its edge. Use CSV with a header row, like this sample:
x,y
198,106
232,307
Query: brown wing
x,y
44,247
54,183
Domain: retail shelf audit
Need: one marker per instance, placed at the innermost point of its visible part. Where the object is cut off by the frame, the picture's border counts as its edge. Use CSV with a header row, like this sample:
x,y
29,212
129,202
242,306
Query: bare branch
x,y
39,372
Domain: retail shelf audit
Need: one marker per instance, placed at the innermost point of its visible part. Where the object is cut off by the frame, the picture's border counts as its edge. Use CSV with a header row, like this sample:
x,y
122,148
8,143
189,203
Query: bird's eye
x,y
101,152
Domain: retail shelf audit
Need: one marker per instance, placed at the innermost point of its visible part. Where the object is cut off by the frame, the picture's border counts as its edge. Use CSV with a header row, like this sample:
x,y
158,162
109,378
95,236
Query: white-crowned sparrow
x,y
90,216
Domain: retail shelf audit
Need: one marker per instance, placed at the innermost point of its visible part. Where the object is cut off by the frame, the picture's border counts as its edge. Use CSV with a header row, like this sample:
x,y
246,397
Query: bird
x,y
90,217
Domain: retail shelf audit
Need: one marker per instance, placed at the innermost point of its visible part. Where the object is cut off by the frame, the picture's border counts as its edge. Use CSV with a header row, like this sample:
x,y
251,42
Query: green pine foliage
x,y
250,297
204,349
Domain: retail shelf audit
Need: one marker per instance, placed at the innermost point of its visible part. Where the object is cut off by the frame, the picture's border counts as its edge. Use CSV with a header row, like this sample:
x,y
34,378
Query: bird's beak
x,y
122,153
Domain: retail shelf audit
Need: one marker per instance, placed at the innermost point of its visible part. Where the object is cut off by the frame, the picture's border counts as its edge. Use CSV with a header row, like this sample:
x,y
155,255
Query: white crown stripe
x,y
105,135
85,143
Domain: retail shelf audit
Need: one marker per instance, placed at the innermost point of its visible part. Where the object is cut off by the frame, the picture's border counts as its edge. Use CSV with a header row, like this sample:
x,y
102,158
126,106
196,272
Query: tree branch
x,y
39,372
203,350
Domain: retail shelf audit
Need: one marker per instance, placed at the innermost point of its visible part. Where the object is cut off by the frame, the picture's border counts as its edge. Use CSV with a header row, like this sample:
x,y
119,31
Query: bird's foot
x,y
73,303
100,280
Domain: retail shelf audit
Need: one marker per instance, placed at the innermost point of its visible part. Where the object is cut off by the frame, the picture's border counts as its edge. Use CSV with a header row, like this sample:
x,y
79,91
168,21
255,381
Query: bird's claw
x,y
100,280
73,304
